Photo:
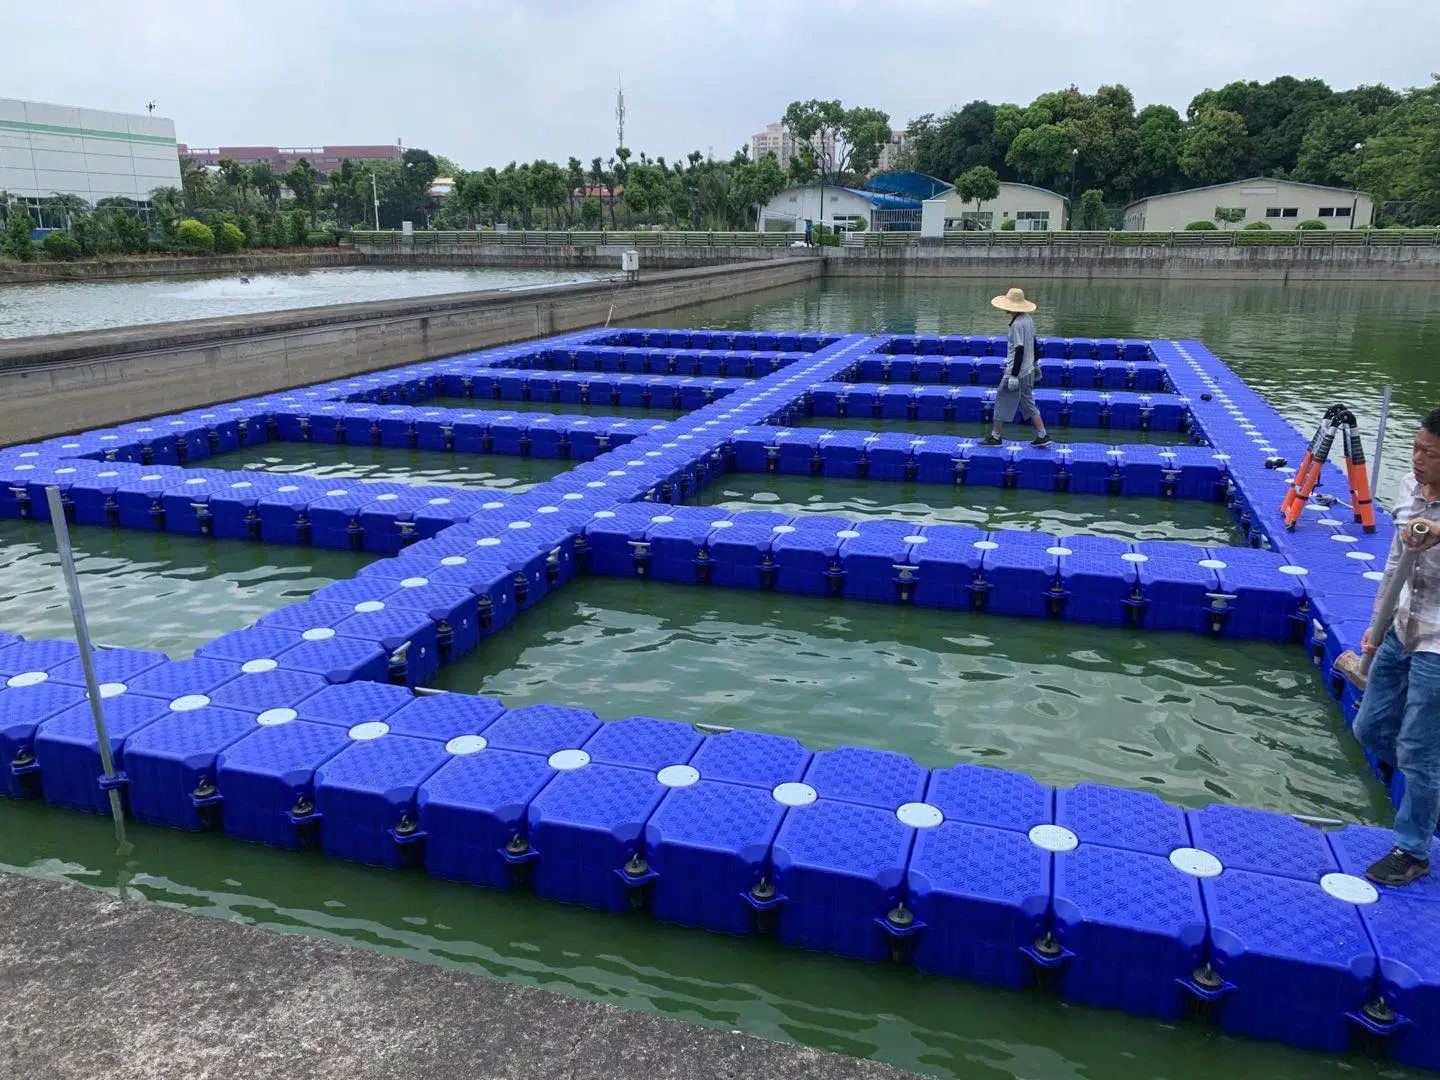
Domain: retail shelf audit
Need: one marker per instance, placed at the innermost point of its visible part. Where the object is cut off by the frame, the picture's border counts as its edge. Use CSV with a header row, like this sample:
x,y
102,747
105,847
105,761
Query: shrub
x,y
296,229
62,247
824,236
229,237
194,237
18,244
1008,225
323,238
1257,226
1201,226
1311,224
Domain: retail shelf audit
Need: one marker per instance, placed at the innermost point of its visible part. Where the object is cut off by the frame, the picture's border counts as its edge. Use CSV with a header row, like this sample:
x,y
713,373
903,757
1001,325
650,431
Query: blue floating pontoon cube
x,y
267,779
996,798
1131,927
1121,818
981,895
171,765
1296,960
27,700
587,826
709,845
857,774
1099,576
473,813
1021,571
1406,936
68,752
868,558
366,793
643,742
947,564
751,758
444,717
840,867
542,729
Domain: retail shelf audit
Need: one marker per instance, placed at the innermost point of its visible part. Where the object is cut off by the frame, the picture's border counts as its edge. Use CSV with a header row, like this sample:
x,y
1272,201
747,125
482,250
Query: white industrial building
x,y
1033,209
845,209
59,149
1281,204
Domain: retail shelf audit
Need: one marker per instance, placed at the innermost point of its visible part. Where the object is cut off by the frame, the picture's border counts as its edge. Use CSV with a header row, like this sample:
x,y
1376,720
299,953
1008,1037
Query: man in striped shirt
x,y
1399,719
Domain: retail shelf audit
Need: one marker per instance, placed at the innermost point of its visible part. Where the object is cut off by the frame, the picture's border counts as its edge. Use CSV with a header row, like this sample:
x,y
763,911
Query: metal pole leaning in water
x,y
1379,441
82,639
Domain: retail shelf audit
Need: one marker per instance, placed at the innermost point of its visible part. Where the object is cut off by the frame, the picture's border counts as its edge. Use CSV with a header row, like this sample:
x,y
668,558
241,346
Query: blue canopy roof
x,y
882,201
914,185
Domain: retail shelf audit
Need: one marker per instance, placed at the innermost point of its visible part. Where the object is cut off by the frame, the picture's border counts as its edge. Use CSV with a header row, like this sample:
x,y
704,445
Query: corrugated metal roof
x,y
907,183
1248,180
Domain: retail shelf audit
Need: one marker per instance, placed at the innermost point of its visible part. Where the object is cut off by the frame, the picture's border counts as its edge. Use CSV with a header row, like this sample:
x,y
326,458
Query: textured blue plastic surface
x,y
269,775
1299,959
752,758
586,825
983,895
840,867
981,795
879,778
171,760
1133,924
1120,818
366,797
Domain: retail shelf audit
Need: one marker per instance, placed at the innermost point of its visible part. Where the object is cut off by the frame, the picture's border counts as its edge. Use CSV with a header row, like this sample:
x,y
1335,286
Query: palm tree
x,y
194,179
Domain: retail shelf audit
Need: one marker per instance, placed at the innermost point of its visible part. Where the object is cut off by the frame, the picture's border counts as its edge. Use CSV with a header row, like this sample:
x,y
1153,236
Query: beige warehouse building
x,y
1033,209
1281,204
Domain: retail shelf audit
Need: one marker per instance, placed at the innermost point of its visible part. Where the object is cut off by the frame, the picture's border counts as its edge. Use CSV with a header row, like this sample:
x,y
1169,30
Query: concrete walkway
x,y
92,986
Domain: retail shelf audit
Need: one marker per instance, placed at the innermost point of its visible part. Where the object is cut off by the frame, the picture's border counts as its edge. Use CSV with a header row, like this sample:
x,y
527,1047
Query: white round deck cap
x,y
919,815
565,760
1196,863
1054,838
1350,889
794,794
675,776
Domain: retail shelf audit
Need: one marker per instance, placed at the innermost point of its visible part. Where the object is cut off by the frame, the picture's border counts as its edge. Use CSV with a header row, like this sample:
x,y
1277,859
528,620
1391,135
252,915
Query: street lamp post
x,y
1355,196
1074,157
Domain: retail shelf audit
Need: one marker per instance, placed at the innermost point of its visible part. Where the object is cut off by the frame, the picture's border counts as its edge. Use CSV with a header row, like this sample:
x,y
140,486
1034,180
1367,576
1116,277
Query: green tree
x,y
591,214
1210,152
846,143
296,233
1159,135
194,237
979,185
1041,155
1276,116
266,183
1092,209
756,183
304,182
1229,215
958,141
18,242
60,247
195,182
132,235
418,170
229,237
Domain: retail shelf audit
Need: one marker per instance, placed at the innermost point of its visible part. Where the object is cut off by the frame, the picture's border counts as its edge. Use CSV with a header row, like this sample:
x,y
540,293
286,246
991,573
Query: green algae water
x,y
1191,719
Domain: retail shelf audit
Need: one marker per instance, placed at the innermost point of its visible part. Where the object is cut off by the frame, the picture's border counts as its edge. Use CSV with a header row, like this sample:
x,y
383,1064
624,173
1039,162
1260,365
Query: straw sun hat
x,y
1014,300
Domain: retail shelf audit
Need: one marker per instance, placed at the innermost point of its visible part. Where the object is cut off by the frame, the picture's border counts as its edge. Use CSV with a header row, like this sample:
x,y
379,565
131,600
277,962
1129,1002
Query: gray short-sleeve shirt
x,y
1022,332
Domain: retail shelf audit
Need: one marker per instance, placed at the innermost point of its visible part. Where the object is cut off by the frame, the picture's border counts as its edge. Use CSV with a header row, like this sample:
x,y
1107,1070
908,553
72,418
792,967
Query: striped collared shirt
x,y
1417,618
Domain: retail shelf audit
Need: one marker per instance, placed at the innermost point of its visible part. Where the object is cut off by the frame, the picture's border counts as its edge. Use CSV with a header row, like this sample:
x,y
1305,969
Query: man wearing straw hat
x,y
1017,385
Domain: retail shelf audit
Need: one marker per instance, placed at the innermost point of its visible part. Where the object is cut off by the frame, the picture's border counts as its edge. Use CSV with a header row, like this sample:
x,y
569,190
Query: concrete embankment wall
x,y
115,269
71,382
1105,261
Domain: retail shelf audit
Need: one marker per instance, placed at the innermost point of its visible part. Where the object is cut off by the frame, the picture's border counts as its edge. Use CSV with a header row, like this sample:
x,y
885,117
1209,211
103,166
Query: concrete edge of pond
x,y
94,985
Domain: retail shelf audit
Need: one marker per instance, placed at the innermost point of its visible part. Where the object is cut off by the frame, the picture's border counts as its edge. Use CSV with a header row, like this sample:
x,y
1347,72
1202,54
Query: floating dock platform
x,y
312,727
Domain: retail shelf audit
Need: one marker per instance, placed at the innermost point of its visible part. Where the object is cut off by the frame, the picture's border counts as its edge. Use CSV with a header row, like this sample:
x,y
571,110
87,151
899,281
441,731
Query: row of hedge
x,y
1254,226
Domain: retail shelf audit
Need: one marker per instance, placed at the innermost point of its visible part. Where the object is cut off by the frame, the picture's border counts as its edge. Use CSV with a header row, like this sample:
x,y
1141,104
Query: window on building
x,y
1039,220
1342,211
1327,211
1290,211
973,221
1272,211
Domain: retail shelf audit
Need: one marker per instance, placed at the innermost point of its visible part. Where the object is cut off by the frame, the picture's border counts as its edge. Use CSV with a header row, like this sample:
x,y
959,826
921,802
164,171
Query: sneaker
x,y
992,440
1398,868
1040,440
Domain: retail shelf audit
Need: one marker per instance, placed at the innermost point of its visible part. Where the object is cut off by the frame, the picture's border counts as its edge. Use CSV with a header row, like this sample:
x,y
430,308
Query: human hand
x,y
1365,646
1420,534
1011,383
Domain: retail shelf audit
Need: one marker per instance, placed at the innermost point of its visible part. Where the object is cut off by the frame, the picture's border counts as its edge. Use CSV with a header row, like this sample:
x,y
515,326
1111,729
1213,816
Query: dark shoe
x,y
1040,440
1397,869
992,440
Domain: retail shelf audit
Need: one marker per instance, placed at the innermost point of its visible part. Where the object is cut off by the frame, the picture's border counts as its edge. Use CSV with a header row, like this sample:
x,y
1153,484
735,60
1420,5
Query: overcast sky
x,y
484,81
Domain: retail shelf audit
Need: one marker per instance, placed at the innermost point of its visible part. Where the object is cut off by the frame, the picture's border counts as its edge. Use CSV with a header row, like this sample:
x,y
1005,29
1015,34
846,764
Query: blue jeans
x,y
1399,723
